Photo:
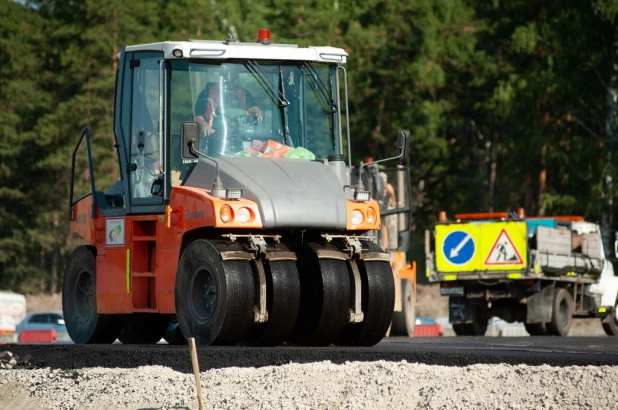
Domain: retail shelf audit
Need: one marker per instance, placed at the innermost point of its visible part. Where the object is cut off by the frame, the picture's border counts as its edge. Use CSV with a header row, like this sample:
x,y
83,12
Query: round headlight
x,y
371,216
177,53
243,215
357,217
225,213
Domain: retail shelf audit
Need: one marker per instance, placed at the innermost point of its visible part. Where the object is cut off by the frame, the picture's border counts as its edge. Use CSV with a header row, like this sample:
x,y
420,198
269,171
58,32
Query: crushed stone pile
x,y
354,385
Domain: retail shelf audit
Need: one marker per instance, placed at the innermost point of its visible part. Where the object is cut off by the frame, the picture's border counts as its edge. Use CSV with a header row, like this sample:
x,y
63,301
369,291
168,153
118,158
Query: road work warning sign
x,y
484,246
503,252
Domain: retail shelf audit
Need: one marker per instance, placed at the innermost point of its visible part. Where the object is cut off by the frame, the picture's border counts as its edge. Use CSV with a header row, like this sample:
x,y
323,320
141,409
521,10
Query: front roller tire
x,y
324,298
79,302
377,301
282,304
214,299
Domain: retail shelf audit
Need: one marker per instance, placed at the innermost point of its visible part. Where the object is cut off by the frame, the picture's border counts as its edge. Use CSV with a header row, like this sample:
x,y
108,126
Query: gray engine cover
x,y
290,193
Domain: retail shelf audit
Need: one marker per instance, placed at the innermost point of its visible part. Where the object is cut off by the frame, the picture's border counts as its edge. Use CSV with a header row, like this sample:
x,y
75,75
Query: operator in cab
x,y
226,100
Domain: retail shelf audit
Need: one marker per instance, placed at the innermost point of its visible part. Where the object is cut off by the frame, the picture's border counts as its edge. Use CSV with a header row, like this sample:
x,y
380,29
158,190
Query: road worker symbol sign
x,y
481,246
459,247
503,252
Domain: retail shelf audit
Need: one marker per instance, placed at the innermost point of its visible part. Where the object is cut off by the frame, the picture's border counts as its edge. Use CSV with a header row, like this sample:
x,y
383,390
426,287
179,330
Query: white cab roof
x,y
255,51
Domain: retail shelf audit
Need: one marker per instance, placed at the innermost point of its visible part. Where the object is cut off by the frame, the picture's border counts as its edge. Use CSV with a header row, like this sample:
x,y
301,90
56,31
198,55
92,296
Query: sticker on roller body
x,y
458,247
504,252
114,232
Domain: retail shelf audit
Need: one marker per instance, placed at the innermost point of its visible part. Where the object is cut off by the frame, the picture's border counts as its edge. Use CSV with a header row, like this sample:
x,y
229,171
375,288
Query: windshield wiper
x,y
272,90
277,94
317,82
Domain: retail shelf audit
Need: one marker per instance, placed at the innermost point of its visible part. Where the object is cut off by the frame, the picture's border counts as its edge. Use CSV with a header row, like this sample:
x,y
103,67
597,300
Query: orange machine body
x,y
137,255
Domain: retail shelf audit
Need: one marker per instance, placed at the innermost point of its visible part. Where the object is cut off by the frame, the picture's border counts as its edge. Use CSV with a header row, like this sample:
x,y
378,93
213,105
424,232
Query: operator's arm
x,y
253,108
200,112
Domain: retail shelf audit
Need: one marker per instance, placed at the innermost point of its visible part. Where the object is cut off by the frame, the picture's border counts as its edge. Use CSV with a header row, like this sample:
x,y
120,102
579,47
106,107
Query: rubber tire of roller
x,y
405,321
143,328
173,335
282,304
377,302
79,307
324,301
224,314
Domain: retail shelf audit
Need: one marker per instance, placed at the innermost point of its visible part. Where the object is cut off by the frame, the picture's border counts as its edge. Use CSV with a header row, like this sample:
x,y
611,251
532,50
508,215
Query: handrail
x,y
85,132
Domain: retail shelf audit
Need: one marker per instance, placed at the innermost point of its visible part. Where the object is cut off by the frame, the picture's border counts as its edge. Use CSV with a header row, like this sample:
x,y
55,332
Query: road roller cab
x,y
234,219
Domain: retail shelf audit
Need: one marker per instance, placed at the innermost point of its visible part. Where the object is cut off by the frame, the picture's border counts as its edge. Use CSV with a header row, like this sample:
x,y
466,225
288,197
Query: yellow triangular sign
x,y
504,252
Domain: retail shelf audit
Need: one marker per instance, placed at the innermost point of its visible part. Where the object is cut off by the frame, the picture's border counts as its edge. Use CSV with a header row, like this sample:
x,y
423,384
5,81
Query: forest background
x,y
510,103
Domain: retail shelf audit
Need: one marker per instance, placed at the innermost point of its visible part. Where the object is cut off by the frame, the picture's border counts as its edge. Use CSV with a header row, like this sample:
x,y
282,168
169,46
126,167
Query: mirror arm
x,y
359,185
217,185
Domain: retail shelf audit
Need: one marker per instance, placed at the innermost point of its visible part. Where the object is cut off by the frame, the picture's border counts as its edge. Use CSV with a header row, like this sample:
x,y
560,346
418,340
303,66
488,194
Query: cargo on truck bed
x,y
542,271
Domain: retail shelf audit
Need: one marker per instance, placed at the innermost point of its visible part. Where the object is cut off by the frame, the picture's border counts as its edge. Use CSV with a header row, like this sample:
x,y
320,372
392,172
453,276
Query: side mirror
x,y
403,147
157,187
189,133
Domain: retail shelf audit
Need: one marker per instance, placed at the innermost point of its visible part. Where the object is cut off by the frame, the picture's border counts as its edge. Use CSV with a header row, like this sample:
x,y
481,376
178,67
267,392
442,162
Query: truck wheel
x,y
377,303
173,335
143,328
404,321
214,299
79,302
324,299
561,318
610,323
536,329
282,304
478,327
459,329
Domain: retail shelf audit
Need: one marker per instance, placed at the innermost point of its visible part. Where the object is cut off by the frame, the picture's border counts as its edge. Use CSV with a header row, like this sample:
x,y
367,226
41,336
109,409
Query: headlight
x,y
371,216
225,213
243,215
357,217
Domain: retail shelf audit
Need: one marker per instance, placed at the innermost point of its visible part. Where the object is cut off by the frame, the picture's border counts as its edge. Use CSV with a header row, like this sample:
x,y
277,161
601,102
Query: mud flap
x,y
459,310
540,305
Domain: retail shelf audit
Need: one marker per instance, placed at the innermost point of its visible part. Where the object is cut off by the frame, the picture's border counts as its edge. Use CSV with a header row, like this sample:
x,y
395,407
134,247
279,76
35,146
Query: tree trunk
x,y
542,182
610,169
492,175
55,259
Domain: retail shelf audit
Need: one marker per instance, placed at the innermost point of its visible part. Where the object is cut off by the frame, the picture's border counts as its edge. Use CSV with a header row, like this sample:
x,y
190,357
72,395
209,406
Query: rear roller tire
x,y
377,301
173,335
143,328
405,321
561,318
324,298
214,298
536,329
79,302
282,304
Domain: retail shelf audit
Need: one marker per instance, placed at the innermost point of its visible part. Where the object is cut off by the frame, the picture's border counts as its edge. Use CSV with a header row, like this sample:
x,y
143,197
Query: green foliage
x,y
506,101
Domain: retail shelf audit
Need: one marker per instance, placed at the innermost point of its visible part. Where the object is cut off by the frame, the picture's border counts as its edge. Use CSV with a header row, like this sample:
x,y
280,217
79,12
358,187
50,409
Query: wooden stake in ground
x,y
196,371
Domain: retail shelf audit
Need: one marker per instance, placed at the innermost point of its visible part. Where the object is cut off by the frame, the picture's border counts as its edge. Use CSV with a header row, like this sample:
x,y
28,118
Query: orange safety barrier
x,y
432,330
38,336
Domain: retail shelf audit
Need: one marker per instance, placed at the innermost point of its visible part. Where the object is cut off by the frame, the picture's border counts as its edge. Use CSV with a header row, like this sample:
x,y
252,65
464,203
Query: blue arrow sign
x,y
458,247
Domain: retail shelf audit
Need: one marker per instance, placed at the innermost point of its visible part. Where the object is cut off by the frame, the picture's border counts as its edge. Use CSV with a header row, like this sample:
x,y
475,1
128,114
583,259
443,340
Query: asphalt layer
x,y
444,351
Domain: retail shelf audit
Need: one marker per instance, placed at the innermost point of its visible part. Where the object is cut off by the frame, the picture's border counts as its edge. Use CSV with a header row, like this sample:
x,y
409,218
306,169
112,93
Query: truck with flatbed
x,y
541,271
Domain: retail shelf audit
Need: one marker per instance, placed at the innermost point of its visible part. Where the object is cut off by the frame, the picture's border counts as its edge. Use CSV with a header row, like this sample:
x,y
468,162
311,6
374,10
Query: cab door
x,y
142,123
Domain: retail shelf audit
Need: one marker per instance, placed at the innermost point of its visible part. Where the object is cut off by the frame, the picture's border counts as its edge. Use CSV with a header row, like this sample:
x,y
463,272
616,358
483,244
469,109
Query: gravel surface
x,y
323,385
